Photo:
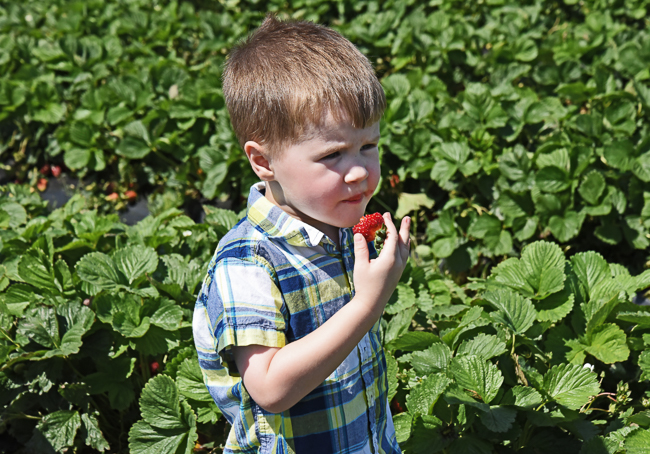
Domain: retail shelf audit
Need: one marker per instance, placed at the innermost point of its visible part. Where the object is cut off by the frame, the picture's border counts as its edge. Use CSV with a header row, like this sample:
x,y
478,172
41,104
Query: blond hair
x,y
287,75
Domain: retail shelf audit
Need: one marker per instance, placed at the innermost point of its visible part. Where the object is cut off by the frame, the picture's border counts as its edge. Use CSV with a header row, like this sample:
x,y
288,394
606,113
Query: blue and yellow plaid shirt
x,y
272,280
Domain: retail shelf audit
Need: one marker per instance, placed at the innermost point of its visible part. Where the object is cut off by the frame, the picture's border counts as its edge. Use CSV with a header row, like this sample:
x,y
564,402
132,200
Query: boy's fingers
x,y
361,252
404,230
405,237
390,244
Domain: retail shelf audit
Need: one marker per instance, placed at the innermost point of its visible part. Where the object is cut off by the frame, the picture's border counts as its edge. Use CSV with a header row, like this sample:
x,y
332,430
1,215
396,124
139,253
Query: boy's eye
x,y
369,146
331,155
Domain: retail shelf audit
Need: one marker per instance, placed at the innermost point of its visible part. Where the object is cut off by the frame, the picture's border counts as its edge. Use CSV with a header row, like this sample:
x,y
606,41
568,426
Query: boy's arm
x,y
277,378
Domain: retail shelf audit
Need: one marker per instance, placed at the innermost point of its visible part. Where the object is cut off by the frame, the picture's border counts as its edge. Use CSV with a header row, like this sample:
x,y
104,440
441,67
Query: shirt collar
x,y
274,222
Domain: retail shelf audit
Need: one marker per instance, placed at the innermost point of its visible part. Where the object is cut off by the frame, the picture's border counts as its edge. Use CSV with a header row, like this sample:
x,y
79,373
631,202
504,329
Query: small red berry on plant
x,y
45,170
369,225
131,195
42,184
154,366
112,196
56,171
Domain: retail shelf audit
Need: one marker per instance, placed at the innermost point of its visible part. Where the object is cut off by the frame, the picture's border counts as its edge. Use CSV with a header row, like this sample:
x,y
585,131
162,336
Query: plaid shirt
x,y
272,280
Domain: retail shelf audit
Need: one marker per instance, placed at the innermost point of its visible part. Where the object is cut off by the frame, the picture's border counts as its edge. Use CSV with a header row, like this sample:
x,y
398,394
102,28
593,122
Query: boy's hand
x,y
375,280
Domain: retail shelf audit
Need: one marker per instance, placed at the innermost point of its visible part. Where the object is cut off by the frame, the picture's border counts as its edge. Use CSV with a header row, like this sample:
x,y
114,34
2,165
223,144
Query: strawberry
x,y
42,184
131,195
369,225
56,171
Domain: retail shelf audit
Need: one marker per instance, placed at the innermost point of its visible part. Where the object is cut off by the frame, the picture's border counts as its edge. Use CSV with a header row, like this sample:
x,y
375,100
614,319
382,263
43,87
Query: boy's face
x,y
327,179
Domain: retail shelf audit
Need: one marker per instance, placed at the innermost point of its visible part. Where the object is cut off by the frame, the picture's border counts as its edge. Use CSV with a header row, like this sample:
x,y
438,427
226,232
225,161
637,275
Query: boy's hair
x,y
285,76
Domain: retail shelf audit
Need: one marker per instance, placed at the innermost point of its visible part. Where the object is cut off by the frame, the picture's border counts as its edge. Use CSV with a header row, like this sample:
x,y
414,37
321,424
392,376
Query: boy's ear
x,y
261,165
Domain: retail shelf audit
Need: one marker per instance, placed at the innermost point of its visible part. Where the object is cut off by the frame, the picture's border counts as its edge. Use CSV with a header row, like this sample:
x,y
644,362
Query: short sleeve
x,y
245,307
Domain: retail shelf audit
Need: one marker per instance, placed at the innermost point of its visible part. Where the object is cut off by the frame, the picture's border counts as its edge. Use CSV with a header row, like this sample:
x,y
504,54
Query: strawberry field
x,y
517,137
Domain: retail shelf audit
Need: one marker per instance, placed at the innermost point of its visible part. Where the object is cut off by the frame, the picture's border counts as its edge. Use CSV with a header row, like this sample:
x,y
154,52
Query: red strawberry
x,y
369,225
56,171
131,195
153,367
42,184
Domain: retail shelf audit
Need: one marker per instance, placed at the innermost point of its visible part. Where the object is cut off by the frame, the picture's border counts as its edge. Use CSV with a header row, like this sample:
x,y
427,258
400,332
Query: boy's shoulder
x,y
249,242
240,241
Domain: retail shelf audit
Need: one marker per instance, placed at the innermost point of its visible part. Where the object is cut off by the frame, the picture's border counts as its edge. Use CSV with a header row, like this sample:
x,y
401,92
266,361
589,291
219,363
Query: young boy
x,y
287,322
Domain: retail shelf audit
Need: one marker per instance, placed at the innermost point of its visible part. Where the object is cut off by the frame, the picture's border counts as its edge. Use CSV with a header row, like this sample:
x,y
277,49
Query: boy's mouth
x,y
355,199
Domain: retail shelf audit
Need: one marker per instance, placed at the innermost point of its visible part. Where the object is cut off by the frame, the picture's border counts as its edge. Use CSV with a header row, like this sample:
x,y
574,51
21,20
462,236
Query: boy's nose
x,y
356,173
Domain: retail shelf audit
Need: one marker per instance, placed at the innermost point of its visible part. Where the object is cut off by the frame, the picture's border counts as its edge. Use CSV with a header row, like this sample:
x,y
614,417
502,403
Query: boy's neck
x,y
331,231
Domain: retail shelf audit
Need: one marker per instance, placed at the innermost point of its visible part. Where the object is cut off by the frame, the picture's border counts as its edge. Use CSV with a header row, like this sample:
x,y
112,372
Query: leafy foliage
x,y
507,123
91,312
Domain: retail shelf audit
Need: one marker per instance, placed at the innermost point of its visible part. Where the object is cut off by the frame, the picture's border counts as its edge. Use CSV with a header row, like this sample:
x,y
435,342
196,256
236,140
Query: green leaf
x,y
484,225
639,318
402,423
145,439
608,344
166,314
548,110
513,310
15,211
60,428
156,341
41,326
133,148
36,268
399,324
76,157
620,154
592,187
426,435
637,442
412,341
522,396
94,437
392,369
555,307
51,113
455,152
433,360
571,385
510,272
469,444
552,179
544,263
423,397
134,261
498,419
160,404
79,320
486,346
190,381
118,113
408,203
644,365
480,378
444,247
591,268
100,271
566,227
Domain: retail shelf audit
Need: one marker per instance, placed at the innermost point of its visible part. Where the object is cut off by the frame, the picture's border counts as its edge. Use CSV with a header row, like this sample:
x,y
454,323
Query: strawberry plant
x,y
546,354
90,311
515,137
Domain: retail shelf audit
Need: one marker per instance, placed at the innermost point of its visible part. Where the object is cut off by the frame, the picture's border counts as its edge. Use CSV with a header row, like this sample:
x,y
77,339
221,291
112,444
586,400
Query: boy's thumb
x,y
361,252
